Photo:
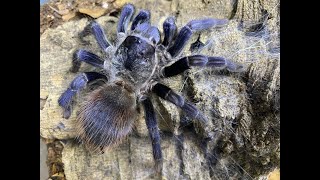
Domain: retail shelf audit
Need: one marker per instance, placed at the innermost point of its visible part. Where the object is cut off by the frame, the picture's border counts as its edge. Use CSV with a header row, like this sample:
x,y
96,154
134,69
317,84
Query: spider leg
x,y
197,46
192,27
152,126
168,94
78,83
153,34
98,32
126,14
148,31
169,30
82,55
100,36
143,27
143,16
85,32
199,60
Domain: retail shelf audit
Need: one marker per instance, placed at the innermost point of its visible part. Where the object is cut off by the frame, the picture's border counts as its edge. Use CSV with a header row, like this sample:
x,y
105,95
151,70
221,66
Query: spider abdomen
x,y
106,117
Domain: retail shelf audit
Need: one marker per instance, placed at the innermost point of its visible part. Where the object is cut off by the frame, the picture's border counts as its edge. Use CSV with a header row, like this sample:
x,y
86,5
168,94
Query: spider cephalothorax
x,y
132,70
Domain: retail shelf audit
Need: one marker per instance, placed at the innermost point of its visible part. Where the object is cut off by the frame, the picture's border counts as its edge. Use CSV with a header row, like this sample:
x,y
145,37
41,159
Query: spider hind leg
x,y
168,94
154,134
78,83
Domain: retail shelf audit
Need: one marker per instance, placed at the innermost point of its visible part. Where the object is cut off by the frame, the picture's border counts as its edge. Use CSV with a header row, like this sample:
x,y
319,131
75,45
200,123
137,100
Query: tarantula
x,y
132,71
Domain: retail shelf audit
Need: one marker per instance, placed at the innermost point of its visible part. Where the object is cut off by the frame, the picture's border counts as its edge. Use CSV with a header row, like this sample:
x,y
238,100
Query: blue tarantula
x,y
132,70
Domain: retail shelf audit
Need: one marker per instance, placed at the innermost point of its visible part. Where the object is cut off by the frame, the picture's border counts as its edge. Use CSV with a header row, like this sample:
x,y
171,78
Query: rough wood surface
x,y
243,108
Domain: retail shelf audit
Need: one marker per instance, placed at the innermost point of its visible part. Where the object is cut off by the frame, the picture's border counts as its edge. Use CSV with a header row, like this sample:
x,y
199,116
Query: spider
x,y
131,71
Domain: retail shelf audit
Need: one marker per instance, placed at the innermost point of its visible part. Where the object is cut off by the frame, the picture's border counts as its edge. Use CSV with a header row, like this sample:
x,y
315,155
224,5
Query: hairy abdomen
x,y
106,117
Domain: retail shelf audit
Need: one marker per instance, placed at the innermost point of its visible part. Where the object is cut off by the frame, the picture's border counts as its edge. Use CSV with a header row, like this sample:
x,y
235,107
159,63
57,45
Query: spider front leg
x,y
153,34
143,16
152,126
192,27
126,14
78,83
199,60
